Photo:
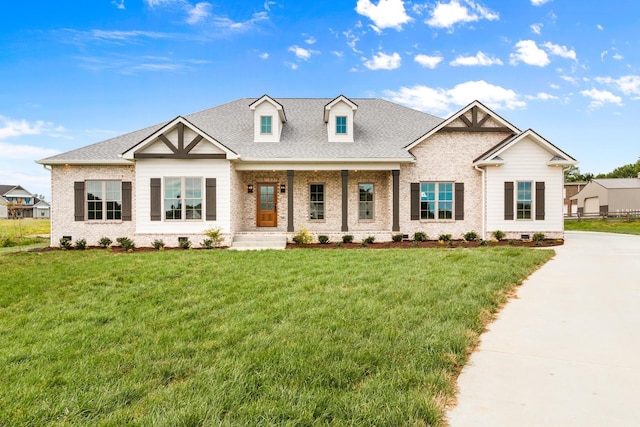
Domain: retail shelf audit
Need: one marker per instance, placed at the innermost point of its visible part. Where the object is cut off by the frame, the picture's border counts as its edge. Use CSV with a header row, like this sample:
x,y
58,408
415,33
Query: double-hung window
x,y
104,200
524,201
265,125
436,200
183,198
341,125
365,201
316,201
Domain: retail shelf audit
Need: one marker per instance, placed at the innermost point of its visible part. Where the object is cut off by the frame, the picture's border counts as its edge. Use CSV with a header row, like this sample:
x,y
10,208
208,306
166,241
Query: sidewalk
x,y
565,352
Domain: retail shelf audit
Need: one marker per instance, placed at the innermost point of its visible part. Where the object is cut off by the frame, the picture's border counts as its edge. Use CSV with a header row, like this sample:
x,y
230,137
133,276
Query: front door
x,y
267,209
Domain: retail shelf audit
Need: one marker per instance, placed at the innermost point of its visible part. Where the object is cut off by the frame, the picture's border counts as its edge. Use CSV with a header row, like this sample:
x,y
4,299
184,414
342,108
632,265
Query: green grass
x,y
608,226
186,338
24,232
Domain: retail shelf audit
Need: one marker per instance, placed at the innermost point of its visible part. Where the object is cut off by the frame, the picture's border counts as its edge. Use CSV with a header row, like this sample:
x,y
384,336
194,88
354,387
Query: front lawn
x,y
182,338
24,232
608,226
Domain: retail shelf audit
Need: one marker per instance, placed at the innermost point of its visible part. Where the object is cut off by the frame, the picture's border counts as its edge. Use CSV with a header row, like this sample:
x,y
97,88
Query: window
x,y
341,125
524,200
265,125
104,200
436,200
365,201
183,198
316,201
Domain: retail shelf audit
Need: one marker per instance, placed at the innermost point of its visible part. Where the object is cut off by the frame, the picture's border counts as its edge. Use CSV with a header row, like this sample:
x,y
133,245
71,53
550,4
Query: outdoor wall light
x,y
249,188
283,188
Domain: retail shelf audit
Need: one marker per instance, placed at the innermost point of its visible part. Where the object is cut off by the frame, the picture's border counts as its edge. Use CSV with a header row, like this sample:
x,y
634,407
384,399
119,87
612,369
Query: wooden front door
x,y
267,209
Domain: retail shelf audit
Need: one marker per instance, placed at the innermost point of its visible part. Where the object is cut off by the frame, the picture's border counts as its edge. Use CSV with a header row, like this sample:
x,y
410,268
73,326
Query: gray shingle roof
x,y
618,182
381,130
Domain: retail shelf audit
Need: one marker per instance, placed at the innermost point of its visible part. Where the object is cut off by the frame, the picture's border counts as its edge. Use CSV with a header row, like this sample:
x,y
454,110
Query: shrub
x,y
81,244
126,243
323,239
7,242
65,243
498,235
303,237
483,242
104,242
420,236
397,237
347,238
368,240
470,236
444,238
538,238
215,235
184,242
207,243
158,244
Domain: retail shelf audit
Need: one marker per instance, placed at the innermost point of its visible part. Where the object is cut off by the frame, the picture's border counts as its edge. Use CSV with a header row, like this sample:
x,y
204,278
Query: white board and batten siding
x,y
192,168
525,161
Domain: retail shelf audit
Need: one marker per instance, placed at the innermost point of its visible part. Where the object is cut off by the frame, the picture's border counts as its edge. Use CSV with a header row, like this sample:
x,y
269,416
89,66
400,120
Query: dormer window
x,y
265,125
341,125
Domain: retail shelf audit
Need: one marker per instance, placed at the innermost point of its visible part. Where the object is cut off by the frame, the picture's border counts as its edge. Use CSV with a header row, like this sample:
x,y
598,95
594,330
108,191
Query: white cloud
x,y
302,53
198,12
339,54
119,4
291,65
428,61
601,97
268,4
600,27
536,28
382,61
154,3
479,59
10,128
386,14
539,2
227,24
561,51
617,57
264,55
542,96
352,39
444,101
117,36
628,85
25,152
528,52
310,39
447,15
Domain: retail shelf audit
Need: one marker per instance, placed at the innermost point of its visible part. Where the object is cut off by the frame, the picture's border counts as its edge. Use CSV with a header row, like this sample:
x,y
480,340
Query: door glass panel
x,y
267,198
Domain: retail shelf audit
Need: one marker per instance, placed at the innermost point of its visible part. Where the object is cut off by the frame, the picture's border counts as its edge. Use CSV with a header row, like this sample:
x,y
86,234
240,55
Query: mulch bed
x,y
407,244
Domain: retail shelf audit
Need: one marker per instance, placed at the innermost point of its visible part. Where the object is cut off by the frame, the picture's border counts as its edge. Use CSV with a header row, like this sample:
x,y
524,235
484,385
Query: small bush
x,y
444,238
207,243
397,237
498,235
368,240
7,242
126,243
538,238
303,237
215,235
184,242
483,242
158,244
347,238
65,243
420,236
470,236
104,242
323,239
81,244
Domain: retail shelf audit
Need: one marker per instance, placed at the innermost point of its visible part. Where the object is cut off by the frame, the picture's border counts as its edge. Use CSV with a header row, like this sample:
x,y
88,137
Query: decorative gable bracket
x,y
476,124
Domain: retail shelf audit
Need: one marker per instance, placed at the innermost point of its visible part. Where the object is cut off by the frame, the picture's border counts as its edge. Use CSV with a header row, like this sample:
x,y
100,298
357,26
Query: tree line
x,y
573,174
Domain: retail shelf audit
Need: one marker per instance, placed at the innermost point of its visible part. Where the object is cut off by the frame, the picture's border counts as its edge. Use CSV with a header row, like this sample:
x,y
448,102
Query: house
x,y
365,167
570,190
609,197
16,202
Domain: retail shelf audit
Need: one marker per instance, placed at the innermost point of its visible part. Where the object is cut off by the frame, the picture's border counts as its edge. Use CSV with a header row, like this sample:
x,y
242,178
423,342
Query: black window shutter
x,y
415,201
508,200
540,200
126,200
156,199
211,199
459,195
78,200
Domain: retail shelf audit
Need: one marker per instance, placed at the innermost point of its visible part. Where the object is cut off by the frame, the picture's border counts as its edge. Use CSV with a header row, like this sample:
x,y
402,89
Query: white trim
x,y
315,164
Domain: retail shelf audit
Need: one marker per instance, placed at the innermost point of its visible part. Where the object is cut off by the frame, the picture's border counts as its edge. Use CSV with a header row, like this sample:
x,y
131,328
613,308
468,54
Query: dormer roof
x,y
340,98
276,105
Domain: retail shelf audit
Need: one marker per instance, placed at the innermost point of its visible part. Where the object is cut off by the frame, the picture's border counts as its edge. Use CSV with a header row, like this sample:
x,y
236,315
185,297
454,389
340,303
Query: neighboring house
x,y
570,190
365,167
609,196
16,202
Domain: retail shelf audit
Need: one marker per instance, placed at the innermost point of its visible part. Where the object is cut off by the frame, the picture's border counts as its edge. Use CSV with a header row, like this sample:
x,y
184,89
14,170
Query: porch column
x,y
290,200
345,200
396,200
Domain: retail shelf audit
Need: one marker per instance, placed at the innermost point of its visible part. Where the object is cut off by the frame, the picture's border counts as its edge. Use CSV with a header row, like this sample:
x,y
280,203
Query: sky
x,y
77,72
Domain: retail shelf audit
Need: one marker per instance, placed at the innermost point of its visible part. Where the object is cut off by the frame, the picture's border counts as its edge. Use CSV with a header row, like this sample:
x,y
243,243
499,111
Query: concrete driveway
x,y
566,351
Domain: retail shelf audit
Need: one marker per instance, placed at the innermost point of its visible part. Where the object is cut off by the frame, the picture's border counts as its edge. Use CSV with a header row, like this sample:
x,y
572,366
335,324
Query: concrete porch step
x,y
255,242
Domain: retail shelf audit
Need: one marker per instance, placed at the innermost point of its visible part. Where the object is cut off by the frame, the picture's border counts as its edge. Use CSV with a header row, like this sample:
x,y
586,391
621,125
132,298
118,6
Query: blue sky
x,y
77,72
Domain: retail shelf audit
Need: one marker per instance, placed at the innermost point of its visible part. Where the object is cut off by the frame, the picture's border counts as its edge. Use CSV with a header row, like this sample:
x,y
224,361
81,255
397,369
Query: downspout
x,y
484,207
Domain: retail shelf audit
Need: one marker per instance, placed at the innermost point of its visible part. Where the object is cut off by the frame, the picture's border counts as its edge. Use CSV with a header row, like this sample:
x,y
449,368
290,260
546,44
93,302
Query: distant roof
x,y
618,182
4,189
381,131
